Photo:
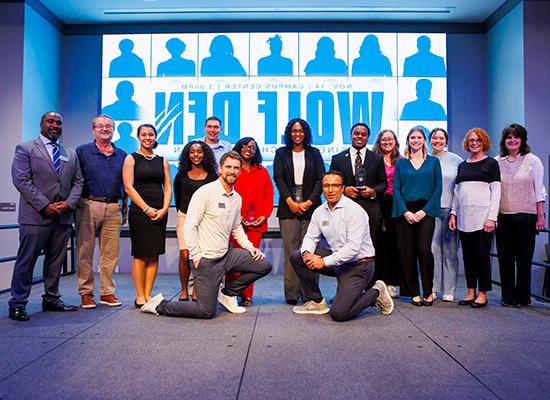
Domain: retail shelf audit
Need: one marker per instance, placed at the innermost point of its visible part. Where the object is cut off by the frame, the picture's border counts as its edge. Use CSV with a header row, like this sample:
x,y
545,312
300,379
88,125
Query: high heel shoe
x,y
416,303
466,302
427,303
138,306
478,305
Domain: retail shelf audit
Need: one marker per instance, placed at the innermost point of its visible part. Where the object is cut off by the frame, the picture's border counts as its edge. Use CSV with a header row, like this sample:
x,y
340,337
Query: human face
x,y
387,142
333,189
438,142
212,130
416,141
248,151
475,146
51,126
103,130
512,143
196,154
146,137
230,171
297,134
359,137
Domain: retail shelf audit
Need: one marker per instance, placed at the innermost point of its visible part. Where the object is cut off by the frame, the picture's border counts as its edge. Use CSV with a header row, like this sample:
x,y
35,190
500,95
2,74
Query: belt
x,y
103,199
363,260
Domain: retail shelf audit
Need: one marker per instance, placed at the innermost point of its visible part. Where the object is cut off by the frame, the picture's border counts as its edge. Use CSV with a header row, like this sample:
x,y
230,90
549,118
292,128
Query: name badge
x,y
221,205
64,158
324,223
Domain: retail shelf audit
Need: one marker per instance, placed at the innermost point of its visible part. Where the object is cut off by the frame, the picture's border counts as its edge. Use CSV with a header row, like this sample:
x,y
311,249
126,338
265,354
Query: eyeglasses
x,y
387,141
250,148
332,185
101,126
472,140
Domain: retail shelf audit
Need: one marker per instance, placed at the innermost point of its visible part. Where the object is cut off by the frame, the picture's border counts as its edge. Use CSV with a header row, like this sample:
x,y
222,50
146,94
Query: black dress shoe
x,y
465,302
138,306
292,302
59,306
478,305
505,303
19,314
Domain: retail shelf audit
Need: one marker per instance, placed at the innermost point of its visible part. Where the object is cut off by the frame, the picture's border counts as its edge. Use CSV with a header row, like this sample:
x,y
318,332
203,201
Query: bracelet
x,y
146,209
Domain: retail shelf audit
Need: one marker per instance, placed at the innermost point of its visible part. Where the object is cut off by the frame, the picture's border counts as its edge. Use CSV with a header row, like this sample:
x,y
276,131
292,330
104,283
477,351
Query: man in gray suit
x,y
47,175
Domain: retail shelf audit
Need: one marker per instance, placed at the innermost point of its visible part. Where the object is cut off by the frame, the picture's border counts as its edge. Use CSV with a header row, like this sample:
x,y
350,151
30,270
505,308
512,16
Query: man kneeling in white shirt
x,y
345,226
214,215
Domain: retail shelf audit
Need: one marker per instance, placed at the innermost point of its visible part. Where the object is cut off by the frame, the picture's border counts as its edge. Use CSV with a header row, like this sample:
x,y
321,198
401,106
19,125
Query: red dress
x,y
256,190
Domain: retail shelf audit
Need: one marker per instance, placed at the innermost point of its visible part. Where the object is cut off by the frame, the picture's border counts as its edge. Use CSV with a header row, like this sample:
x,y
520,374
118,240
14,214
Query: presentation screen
x,y
256,82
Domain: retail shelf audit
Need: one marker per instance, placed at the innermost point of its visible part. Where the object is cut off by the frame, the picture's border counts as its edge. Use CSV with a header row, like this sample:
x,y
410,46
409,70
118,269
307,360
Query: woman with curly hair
x,y
197,166
297,171
256,190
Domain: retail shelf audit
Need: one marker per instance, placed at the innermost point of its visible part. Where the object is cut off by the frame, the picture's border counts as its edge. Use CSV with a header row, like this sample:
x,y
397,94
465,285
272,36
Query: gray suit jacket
x,y
34,176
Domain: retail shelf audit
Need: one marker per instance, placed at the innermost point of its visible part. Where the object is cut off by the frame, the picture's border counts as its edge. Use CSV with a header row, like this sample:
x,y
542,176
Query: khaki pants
x,y
103,220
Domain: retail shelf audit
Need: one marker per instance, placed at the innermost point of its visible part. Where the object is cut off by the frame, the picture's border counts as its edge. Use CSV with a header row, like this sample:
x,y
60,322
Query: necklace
x,y
146,156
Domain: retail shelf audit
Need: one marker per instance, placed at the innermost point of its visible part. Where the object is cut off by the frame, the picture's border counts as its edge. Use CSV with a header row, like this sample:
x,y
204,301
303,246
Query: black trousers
x,y
476,247
353,279
515,237
388,263
415,248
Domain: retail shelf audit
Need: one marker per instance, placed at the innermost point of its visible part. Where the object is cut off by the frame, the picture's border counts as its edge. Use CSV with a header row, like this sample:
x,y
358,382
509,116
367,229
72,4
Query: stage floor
x,y
440,352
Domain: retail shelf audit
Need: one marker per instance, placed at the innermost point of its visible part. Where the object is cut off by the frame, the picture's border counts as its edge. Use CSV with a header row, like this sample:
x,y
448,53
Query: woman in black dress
x,y
197,167
147,181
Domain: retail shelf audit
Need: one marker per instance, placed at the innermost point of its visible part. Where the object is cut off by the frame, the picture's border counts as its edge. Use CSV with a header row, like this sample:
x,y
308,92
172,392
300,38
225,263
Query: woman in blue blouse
x,y
417,189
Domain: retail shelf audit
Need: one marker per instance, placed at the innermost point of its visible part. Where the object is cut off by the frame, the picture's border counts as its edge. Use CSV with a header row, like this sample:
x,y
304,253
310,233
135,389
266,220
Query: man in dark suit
x,y
364,177
47,175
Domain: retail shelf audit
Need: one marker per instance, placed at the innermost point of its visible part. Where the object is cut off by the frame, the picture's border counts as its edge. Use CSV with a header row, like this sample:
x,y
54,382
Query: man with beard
x,y
47,175
213,216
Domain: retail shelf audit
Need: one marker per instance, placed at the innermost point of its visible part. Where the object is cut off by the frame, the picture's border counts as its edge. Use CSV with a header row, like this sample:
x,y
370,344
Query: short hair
x,y
408,150
378,149
482,134
50,112
257,159
360,124
213,118
434,130
333,172
519,131
305,127
208,163
231,154
103,116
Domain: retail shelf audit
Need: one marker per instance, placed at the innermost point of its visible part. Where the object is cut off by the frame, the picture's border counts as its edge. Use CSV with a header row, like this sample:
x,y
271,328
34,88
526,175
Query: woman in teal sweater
x,y
417,189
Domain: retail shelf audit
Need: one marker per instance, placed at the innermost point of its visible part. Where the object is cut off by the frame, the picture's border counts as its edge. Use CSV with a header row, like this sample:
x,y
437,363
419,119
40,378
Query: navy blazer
x,y
376,178
283,175
34,176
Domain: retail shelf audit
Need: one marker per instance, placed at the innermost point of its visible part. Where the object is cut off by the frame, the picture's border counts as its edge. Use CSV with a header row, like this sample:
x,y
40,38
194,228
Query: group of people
x,y
224,197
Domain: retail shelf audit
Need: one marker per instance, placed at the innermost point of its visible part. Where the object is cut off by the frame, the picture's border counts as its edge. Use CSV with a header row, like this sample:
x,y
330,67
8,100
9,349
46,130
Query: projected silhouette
x,y
423,109
324,62
126,141
275,64
221,61
124,108
371,61
424,62
176,65
128,64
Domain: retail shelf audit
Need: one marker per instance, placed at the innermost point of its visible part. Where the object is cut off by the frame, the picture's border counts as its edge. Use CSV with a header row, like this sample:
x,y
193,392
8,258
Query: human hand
x,y
452,222
259,221
160,214
304,206
419,215
351,192
62,207
315,261
540,222
257,255
489,226
367,191
294,207
51,211
410,217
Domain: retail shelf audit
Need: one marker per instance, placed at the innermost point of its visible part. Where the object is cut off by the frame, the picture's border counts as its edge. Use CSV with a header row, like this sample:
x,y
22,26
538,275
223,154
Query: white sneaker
x,y
448,297
312,307
434,295
384,302
230,303
151,305
393,291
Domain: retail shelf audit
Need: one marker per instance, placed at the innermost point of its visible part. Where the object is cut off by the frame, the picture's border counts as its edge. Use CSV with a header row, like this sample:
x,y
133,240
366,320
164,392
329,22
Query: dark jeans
x,y
476,247
515,237
415,245
353,279
207,279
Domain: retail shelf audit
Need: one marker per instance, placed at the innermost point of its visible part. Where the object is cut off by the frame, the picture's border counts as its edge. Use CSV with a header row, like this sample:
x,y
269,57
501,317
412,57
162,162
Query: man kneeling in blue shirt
x,y
345,226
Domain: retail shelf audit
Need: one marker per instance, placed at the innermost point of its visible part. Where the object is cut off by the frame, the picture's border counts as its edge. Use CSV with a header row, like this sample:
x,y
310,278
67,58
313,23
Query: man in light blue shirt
x,y
345,226
212,130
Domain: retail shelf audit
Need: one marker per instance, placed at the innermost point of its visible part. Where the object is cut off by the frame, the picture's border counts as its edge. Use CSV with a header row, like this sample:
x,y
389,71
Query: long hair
x,y
408,150
305,127
257,159
378,149
208,163
519,131
154,130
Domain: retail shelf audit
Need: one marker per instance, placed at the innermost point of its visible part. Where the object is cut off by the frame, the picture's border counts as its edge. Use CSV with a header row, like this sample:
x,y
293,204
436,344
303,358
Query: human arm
x,y
494,199
266,207
540,191
356,225
167,192
313,234
319,168
195,213
237,230
177,188
380,179
434,201
399,207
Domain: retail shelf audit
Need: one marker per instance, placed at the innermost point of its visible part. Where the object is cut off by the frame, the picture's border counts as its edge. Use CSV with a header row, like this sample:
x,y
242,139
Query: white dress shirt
x,y
346,230
353,154
213,216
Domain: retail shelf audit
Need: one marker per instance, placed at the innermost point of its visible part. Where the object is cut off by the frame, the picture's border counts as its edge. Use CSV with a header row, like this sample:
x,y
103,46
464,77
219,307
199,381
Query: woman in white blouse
x,y
474,212
521,214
